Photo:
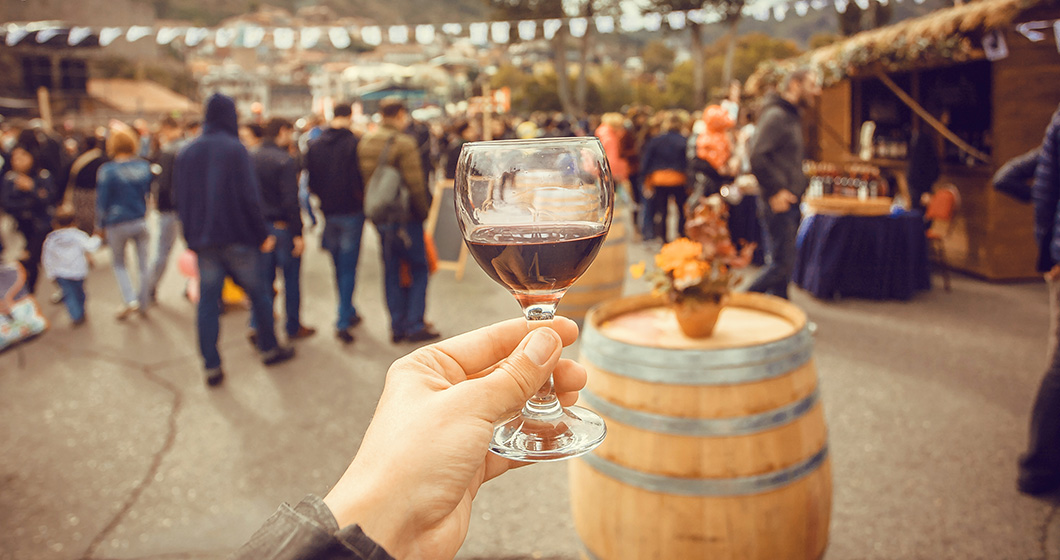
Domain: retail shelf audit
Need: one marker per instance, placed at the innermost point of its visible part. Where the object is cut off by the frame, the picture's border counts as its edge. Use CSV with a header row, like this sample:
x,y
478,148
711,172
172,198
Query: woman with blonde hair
x,y
121,206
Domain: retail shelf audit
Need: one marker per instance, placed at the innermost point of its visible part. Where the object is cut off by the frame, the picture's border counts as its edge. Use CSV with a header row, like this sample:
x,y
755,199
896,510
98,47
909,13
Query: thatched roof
x,y
947,35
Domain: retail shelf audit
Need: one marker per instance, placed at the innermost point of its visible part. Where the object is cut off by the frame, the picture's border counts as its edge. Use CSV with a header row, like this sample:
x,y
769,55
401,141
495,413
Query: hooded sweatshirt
x,y
777,149
218,199
335,172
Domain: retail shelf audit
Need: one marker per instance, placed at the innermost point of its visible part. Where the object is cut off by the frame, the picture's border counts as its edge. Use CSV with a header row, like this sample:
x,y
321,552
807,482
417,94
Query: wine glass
x,y
534,214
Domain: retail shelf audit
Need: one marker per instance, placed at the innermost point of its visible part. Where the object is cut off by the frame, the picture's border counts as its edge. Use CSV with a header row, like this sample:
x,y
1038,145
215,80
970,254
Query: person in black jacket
x,y
776,161
28,193
219,203
335,178
1039,467
278,177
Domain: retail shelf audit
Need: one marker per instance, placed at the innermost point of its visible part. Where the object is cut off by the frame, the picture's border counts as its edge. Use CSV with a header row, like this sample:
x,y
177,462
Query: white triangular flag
x,y
283,38
224,37
15,34
500,32
398,34
45,35
780,11
340,38
578,27
77,35
372,35
652,22
841,5
605,24
697,16
253,36
309,37
137,32
452,29
631,22
676,20
551,26
802,7
818,4
527,30
424,34
479,32
196,35
167,35
107,35
761,14
863,4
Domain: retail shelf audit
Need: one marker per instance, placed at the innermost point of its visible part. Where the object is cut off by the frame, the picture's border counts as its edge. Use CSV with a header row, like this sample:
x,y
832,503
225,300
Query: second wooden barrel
x,y
606,277
716,448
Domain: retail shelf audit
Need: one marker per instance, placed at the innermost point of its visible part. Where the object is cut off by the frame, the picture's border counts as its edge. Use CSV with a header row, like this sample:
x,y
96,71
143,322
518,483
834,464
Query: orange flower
x,y
638,269
675,254
690,273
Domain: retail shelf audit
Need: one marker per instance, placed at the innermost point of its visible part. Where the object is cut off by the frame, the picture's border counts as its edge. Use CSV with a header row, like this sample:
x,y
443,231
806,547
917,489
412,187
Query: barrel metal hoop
x,y
698,367
701,427
707,486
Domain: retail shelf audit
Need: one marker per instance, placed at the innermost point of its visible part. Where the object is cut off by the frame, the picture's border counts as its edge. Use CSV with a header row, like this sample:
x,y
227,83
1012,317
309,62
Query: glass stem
x,y
544,405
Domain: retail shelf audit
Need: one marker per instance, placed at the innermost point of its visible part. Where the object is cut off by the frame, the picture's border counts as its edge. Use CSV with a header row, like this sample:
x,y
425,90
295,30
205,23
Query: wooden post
x,y
45,106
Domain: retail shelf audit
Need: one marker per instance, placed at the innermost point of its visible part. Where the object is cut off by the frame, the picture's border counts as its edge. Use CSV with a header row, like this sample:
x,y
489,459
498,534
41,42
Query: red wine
x,y
536,259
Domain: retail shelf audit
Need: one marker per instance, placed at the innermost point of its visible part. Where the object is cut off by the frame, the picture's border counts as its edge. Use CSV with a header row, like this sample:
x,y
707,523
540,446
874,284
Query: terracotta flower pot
x,y
697,316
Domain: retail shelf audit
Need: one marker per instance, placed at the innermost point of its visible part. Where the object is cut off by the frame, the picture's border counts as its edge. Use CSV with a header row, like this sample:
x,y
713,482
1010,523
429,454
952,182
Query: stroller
x,y
20,316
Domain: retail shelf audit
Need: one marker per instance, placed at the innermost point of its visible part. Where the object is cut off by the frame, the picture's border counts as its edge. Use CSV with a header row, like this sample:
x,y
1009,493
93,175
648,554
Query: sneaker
x,y
423,335
302,332
214,377
127,311
344,335
277,355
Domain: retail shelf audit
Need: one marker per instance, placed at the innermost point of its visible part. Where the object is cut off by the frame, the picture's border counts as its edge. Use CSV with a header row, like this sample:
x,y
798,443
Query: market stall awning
x,y
140,97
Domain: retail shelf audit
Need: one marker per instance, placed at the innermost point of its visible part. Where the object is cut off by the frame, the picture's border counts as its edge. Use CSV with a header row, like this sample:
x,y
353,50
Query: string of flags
x,y
341,37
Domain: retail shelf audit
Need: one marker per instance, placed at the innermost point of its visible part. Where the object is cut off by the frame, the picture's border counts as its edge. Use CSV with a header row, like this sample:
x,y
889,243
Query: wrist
x,y
379,514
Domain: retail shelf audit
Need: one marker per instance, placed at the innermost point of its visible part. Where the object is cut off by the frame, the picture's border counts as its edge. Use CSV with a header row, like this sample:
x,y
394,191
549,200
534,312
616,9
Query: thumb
x,y
521,374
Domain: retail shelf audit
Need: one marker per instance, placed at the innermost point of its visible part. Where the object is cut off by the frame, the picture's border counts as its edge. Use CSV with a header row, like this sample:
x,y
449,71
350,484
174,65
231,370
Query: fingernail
x,y
539,348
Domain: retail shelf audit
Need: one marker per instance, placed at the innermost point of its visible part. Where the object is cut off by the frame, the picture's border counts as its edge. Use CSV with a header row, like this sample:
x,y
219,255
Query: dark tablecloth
x,y
877,257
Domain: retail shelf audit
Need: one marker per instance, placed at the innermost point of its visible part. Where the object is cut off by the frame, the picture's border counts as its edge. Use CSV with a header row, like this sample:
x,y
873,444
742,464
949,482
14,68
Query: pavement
x,y
112,447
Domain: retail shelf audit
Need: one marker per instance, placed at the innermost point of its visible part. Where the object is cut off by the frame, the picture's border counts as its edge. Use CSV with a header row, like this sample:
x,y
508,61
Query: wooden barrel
x,y
606,277
716,448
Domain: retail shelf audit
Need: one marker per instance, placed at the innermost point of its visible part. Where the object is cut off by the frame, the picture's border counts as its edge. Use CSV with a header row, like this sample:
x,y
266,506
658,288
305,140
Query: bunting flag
x,y
500,32
340,38
780,11
196,35
578,27
283,38
224,37
841,5
253,36
138,32
652,22
424,34
107,35
372,35
676,20
78,35
398,34
527,30
605,24
802,8
309,37
551,26
167,35
452,29
15,36
45,35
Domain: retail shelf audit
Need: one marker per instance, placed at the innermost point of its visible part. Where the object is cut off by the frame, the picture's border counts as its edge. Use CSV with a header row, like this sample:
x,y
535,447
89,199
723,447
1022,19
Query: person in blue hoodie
x,y
220,208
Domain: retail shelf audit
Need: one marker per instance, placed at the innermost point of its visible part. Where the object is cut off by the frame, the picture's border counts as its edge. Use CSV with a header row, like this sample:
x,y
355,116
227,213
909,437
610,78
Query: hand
x,y
425,453
269,244
299,247
782,201
1054,273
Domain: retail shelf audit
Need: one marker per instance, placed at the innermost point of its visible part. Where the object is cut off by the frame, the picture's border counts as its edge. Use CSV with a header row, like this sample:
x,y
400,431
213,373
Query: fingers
x,y
481,349
520,375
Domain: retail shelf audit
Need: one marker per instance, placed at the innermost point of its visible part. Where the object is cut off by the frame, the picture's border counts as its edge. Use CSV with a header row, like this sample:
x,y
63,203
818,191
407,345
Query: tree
x,y
657,57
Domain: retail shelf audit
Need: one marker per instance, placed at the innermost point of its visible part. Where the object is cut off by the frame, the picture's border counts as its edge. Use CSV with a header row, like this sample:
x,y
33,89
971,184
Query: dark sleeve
x,y
308,531
1015,176
292,210
412,172
1046,189
251,196
769,138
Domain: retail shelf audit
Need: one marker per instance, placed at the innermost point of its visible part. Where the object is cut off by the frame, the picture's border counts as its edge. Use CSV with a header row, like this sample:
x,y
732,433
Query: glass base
x,y
575,431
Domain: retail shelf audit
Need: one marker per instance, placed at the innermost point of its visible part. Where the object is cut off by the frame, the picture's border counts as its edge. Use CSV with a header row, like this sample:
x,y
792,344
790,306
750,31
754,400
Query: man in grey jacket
x,y
776,161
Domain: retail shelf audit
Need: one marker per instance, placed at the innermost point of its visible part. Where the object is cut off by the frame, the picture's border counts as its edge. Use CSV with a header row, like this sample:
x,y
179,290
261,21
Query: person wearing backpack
x,y
401,236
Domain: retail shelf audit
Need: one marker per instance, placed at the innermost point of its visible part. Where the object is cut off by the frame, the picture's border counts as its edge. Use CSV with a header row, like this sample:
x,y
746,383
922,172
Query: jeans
x,y
342,238
304,200
118,235
73,296
407,305
778,233
168,230
242,263
1042,459
282,258
656,211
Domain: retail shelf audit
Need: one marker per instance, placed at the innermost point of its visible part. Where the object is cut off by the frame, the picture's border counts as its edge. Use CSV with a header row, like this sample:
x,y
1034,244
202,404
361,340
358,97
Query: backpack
x,y
386,197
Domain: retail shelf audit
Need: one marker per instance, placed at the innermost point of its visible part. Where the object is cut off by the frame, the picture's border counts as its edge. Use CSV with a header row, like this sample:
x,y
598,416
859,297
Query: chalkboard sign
x,y
442,225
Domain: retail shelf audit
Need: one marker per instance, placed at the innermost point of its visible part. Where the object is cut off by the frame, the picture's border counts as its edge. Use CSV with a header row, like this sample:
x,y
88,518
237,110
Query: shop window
x,y
875,102
74,74
959,96
36,72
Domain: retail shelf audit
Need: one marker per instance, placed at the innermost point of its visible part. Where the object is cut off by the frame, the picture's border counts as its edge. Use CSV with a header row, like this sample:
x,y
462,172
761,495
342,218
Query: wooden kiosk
x,y
981,80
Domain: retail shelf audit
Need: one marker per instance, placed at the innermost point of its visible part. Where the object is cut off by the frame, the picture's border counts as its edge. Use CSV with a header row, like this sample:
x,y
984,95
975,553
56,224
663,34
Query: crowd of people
x,y
241,192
